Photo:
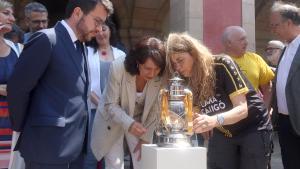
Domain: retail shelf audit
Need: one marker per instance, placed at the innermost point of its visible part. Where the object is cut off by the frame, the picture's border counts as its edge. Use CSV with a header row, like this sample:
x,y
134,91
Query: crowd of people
x,y
72,97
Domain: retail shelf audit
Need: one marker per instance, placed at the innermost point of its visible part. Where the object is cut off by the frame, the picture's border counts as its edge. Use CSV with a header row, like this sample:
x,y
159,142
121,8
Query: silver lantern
x,y
176,118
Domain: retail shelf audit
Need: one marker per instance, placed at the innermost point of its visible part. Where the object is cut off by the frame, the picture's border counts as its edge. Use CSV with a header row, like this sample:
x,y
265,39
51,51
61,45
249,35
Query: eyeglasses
x,y
98,22
44,21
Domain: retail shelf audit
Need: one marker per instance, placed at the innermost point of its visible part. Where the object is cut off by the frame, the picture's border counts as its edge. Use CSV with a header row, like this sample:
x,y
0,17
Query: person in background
x,y
230,109
100,55
9,53
257,71
48,92
285,25
129,108
36,17
115,39
273,52
16,35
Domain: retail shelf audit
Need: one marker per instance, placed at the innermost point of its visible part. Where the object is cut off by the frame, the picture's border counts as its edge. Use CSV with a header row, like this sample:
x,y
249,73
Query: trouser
x,y
245,151
115,158
90,161
76,164
289,143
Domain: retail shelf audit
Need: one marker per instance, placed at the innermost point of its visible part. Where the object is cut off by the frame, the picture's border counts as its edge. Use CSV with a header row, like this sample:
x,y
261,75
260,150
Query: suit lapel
x,y
151,96
295,65
131,92
70,48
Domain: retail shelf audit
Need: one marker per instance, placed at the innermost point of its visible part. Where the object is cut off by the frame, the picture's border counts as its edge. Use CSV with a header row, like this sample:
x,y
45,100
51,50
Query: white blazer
x,y
115,113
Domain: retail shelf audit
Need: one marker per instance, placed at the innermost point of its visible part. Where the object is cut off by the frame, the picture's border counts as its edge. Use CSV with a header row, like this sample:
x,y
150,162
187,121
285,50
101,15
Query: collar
x,y
70,31
295,43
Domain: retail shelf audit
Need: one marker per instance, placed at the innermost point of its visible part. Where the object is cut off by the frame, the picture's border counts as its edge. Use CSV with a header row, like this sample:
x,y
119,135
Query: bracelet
x,y
220,119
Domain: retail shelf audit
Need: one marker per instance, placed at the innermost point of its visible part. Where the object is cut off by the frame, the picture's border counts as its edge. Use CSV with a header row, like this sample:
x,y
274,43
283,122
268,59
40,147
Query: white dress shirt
x,y
283,73
70,31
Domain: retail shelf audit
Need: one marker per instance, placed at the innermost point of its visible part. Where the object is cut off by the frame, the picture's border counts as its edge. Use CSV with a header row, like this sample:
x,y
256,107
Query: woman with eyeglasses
x,y
9,53
100,55
129,109
231,112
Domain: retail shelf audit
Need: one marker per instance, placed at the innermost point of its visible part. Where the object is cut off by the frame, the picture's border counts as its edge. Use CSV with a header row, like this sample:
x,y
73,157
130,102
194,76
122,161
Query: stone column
x,y
206,19
187,15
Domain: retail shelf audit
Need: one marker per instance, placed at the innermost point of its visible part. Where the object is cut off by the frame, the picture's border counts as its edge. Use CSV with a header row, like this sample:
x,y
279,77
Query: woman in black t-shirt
x,y
229,107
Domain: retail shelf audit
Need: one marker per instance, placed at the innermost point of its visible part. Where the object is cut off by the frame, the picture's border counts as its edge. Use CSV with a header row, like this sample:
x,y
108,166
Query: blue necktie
x,y
80,50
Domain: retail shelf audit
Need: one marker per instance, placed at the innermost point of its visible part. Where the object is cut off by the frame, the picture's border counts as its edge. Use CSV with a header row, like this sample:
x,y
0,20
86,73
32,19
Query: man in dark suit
x,y
285,23
48,91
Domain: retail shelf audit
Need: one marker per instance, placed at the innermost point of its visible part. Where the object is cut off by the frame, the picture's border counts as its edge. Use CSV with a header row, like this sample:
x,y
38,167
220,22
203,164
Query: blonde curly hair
x,y
5,4
202,80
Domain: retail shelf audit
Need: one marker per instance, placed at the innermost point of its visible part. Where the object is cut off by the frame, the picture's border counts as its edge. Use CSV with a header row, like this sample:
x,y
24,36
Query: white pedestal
x,y
154,157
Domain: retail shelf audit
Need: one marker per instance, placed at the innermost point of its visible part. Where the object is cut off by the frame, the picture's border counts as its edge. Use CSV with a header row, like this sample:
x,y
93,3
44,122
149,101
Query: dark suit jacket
x,y
292,91
48,96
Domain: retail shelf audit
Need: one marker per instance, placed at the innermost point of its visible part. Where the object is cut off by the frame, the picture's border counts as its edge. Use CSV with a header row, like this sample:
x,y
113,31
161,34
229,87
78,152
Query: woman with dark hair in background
x,y
129,108
114,35
100,55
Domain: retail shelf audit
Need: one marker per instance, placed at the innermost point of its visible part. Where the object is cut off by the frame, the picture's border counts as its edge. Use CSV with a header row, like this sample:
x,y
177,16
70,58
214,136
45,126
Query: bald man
x,y
256,70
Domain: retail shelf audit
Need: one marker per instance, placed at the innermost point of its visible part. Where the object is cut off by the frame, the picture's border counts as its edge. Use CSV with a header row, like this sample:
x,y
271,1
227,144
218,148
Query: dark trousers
x,y
76,164
90,161
289,143
250,150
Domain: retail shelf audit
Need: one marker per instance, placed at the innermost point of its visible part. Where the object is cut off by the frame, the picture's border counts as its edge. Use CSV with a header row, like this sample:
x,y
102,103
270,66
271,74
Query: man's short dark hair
x,y
34,7
87,6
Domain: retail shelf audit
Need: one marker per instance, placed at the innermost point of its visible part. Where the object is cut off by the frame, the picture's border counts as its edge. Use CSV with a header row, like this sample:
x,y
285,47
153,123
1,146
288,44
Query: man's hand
x,y
137,129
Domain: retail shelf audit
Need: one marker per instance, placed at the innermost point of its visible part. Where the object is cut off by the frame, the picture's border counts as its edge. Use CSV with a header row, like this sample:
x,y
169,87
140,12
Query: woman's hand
x,y
3,90
138,149
137,129
203,123
207,135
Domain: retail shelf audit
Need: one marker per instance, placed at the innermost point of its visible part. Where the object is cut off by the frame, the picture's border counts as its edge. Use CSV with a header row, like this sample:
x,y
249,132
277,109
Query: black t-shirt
x,y
229,82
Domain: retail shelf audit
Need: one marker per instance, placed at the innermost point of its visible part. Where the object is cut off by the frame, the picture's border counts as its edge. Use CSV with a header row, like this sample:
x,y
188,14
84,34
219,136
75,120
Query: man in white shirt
x,y
285,23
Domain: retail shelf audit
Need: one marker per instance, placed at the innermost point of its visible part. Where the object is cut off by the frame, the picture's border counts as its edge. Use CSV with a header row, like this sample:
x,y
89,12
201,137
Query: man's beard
x,y
84,35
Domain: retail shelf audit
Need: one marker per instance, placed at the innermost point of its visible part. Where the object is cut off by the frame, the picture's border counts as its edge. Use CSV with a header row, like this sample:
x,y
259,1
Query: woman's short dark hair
x,y
147,47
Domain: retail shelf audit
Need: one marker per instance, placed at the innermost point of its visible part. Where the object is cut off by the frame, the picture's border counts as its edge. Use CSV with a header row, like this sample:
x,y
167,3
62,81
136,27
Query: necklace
x,y
103,53
106,54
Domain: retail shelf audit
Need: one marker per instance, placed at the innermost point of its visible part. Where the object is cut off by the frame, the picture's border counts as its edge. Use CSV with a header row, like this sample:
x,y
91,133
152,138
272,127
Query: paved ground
x,y
276,162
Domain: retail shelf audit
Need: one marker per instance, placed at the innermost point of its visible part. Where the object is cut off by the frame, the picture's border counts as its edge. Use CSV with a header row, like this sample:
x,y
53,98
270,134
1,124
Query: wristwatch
x,y
220,119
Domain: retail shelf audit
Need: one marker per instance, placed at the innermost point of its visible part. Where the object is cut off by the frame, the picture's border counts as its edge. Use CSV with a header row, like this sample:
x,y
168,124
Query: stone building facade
x,y
203,19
